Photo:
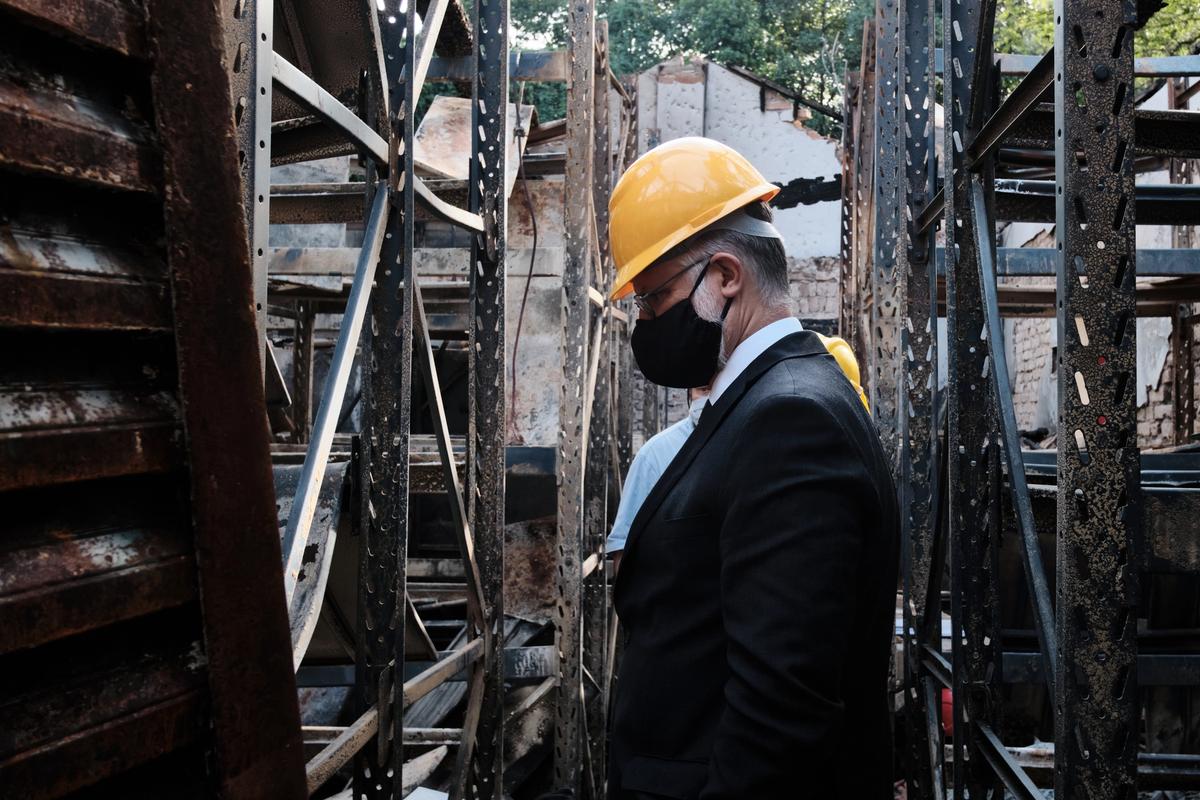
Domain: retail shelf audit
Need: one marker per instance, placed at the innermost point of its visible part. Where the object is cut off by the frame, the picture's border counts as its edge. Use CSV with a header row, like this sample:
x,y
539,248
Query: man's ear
x,y
731,272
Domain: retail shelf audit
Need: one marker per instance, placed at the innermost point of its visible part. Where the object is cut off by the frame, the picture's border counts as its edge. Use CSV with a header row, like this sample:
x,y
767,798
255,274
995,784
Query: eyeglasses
x,y
645,300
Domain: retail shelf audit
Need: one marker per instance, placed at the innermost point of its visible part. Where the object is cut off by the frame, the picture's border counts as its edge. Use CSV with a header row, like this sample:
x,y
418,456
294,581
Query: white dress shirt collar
x,y
751,348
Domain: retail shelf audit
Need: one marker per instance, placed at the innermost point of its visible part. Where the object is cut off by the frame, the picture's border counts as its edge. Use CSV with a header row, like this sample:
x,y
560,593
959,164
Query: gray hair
x,y
764,258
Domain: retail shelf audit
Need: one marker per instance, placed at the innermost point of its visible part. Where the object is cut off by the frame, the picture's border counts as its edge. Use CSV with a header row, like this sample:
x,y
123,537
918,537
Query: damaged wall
x,y
698,98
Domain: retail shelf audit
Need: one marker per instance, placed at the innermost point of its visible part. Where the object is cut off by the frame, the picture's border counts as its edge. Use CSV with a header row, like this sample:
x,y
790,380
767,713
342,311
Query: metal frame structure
x,y
385,303
969,490
293,92
142,603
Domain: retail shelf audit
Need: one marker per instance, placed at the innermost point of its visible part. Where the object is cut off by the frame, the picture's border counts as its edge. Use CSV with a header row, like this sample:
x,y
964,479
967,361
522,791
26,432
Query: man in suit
x,y
757,590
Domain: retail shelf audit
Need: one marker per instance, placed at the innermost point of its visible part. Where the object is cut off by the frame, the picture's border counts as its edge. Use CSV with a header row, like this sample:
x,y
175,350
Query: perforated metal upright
x,y
600,429
863,216
847,298
972,457
568,718
488,410
918,382
387,401
886,291
1096,720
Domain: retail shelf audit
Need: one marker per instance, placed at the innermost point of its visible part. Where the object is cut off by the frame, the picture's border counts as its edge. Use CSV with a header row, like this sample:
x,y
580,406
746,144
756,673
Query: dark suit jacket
x,y
757,592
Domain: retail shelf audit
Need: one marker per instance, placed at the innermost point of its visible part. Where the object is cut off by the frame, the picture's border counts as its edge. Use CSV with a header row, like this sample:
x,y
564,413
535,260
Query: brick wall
x,y
814,287
1030,351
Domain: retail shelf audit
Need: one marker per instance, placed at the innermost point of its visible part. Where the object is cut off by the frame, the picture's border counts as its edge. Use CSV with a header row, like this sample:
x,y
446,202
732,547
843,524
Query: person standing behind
x,y
647,467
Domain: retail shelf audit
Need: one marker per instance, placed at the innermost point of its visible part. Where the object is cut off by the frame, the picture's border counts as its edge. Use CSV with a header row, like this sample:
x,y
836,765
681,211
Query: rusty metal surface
x,y
599,424
60,119
387,400
65,729
338,39
495,155
886,277
457,34
1099,503
320,203
232,498
918,379
109,24
45,457
864,159
568,720
311,140
846,295
303,370
74,572
971,442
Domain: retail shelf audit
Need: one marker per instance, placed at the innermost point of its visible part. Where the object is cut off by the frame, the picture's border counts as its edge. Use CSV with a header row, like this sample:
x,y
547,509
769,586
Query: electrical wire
x,y
520,131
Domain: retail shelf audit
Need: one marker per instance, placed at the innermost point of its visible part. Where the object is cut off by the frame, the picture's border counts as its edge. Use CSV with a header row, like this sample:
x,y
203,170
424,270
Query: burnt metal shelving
x,y
1072,542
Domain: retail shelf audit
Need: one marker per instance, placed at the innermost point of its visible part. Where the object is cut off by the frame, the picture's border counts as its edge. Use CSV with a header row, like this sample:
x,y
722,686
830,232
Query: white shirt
x,y
647,467
751,348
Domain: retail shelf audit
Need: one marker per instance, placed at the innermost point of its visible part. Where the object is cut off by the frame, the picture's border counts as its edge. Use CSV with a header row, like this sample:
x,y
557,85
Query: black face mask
x,y
678,348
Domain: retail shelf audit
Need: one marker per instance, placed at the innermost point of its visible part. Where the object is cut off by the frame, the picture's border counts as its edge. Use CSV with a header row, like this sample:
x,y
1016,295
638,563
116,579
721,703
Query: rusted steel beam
x,y
69,137
1099,490
971,444
316,203
307,142
917,437
113,746
65,586
575,399
488,421
66,455
886,278
1183,340
108,25
1157,132
598,427
303,369
387,401
255,717
49,300
864,158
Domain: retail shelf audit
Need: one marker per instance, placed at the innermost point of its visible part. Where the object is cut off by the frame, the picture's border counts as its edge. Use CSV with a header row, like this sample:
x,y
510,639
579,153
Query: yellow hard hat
x,y
844,355
672,192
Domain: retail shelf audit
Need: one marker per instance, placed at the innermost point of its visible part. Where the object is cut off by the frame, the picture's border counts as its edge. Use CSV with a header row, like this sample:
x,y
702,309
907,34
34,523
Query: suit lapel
x,y
794,345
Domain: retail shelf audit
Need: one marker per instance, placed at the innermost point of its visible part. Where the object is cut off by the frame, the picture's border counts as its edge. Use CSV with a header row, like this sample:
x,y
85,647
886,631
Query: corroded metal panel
x,y
232,496
1098,473
568,720
971,443
492,148
886,278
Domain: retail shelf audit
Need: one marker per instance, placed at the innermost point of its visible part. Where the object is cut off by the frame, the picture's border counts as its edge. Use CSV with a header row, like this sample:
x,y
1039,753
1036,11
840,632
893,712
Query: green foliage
x,y
803,45
1027,26
806,45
